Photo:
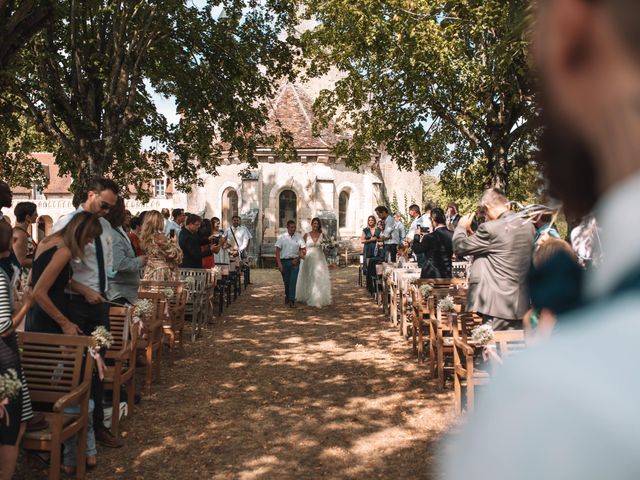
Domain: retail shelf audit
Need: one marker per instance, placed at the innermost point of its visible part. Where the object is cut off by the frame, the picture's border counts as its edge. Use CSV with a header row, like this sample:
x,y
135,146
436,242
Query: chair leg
x,y
149,367
115,408
54,462
131,393
440,367
432,358
158,360
457,388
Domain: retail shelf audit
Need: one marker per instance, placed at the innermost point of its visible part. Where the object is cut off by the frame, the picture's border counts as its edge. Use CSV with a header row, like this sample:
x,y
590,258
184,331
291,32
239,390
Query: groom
x,y
290,249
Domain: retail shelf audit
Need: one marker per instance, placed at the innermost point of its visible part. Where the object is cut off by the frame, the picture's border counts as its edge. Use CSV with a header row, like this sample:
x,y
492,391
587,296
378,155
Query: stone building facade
x,y
317,184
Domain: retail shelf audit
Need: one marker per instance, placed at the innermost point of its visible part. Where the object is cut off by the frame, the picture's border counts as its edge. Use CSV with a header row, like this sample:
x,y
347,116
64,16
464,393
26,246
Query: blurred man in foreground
x,y
568,409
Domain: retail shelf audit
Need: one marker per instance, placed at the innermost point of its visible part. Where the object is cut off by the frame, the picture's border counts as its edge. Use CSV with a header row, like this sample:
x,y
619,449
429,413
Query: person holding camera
x,y
436,248
502,248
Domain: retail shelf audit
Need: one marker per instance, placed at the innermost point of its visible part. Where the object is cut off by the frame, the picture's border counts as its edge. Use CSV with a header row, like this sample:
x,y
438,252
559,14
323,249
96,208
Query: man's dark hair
x,y
135,223
414,208
5,195
453,205
381,209
438,216
236,216
429,206
96,185
176,212
100,184
290,222
6,235
192,218
23,209
165,213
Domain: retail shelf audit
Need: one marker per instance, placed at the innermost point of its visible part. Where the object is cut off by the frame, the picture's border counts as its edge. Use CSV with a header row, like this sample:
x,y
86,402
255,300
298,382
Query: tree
x,y
431,81
86,83
19,22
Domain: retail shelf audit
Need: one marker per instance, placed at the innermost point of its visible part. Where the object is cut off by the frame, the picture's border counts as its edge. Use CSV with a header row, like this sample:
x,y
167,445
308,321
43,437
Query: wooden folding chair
x,y
58,371
123,355
466,375
150,342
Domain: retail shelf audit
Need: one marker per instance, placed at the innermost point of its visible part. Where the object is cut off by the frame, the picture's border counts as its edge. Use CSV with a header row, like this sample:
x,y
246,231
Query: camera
x,y
424,229
479,218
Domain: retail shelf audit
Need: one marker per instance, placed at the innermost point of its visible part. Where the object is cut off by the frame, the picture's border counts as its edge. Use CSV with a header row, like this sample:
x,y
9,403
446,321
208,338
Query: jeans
x,y
89,316
290,277
69,457
390,252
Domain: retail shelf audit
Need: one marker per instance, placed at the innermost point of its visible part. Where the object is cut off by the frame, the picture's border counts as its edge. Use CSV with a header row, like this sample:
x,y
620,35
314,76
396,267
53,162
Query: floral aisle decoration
x,y
447,305
190,283
10,387
141,309
483,336
168,294
425,291
102,339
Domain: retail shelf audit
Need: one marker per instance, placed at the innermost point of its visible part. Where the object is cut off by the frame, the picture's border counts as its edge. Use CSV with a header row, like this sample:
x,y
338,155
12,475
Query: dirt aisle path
x,y
280,393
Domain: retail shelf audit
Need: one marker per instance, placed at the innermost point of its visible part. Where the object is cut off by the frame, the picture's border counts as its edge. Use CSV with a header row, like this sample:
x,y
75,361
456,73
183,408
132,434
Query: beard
x,y
569,165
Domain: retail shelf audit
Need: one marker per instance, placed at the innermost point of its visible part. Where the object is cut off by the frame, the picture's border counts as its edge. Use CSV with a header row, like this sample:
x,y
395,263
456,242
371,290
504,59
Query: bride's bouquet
x,y
329,244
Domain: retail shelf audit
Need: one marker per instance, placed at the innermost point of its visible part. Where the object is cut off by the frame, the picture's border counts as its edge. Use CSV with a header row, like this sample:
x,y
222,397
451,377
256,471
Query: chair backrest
x,y
509,342
202,277
120,322
153,322
54,364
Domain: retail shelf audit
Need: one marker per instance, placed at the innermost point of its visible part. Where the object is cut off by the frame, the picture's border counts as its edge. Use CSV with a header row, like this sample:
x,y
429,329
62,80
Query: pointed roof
x,y
292,108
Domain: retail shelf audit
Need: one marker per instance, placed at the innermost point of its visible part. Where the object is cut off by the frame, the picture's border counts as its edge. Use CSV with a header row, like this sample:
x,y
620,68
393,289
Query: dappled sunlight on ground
x,y
274,392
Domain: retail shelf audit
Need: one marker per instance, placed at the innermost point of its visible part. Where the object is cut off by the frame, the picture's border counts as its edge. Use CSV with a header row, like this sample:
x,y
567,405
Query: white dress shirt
x,y
171,225
290,245
86,271
242,235
413,228
568,409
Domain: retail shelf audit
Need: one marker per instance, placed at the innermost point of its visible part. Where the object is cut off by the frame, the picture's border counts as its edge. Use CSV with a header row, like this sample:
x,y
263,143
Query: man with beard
x,y
568,409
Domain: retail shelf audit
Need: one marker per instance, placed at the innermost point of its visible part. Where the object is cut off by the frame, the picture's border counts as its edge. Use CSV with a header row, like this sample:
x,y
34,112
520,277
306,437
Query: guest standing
x,y
135,229
51,273
239,237
501,248
388,236
163,254
436,247
89,284
220,257
171,229
453,216
19,408
290,249
124,278
368,238
24,246
190,243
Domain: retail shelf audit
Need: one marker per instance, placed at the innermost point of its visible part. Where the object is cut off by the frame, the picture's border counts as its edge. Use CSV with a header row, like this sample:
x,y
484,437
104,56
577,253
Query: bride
x,y
314,285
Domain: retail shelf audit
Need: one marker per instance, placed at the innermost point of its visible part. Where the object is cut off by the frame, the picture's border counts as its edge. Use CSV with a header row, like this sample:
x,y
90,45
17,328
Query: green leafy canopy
x,y
432,82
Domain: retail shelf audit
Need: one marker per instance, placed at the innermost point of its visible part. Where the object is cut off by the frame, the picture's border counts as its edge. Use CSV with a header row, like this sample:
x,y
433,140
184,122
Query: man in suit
x,y
435,247
501,248
190,243
388,236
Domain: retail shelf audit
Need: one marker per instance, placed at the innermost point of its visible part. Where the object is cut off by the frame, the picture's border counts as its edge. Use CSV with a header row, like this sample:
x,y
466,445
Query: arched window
x,y
229,206
287,208
343,208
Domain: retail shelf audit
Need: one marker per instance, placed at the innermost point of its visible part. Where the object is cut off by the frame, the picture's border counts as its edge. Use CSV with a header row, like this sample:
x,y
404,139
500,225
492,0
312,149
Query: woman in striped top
x,y
19,408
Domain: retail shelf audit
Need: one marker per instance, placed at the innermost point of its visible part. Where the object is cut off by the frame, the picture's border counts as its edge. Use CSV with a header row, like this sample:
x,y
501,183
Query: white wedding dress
x,y
314,284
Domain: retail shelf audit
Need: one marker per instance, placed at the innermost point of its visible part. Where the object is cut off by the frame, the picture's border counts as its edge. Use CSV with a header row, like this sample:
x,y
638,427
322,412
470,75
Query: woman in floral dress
x,y
163,254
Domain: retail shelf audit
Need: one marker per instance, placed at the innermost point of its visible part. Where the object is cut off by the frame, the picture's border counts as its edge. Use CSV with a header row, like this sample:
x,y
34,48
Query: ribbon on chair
x,y
3,411
489,354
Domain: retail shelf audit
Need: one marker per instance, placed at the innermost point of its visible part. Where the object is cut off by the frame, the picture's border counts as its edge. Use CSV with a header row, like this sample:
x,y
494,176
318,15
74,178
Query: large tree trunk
x,y
499,169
